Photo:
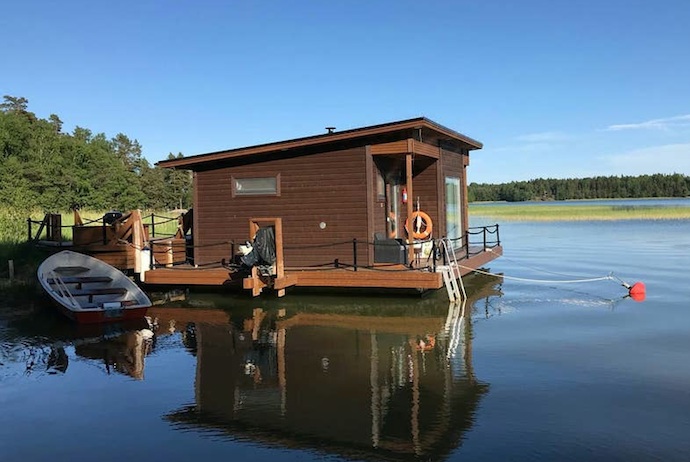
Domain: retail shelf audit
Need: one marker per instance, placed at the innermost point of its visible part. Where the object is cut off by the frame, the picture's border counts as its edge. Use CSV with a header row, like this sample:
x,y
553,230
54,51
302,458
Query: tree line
x,y
601,187
43,167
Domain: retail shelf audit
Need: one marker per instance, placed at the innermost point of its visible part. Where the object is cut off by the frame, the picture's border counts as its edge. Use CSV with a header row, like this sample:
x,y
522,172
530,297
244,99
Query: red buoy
x,y
638,291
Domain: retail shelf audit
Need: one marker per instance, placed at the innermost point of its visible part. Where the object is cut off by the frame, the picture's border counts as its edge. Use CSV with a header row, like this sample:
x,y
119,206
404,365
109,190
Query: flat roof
x,y
326,138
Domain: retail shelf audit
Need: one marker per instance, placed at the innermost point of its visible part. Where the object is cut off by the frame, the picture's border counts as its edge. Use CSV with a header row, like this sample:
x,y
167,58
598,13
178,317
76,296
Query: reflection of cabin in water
x,y
339,203
359,386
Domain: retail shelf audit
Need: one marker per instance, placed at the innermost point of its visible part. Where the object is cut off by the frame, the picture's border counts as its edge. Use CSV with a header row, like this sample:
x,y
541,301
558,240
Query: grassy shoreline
x,y
584,212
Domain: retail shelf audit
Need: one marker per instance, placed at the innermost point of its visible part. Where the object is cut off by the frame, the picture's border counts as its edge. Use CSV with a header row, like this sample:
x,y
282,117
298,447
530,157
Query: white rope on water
x,y
544,281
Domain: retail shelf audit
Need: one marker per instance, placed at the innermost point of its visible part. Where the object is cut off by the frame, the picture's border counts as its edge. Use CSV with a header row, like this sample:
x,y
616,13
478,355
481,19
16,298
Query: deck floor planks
x,y
387,276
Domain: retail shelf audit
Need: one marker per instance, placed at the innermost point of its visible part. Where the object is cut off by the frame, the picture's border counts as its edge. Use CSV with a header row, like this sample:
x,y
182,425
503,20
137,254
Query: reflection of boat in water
x,y
353,385
124,353
50,349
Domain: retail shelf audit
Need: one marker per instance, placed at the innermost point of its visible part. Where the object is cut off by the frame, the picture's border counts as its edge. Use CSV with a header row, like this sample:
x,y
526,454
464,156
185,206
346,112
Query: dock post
x,y
467,244
354,252
151,255
153,226
433,254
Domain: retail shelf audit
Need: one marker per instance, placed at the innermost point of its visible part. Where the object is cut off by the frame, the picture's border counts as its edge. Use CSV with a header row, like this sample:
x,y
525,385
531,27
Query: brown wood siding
x,y
326,187
395,147
426,149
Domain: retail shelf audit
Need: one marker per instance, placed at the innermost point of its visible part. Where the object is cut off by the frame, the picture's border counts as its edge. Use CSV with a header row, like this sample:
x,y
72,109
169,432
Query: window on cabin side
x,y
262,186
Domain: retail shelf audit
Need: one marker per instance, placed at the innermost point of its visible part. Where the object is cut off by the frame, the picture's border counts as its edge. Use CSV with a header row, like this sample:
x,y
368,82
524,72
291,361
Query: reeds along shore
x,y
548,212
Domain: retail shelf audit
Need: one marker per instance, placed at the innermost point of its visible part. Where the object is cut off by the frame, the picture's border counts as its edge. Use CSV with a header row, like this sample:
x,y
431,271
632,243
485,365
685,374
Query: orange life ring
x,y
426,344
422,225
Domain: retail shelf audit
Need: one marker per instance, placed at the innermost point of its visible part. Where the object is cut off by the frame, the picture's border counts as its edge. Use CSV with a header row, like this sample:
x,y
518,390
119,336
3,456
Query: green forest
x,y
601,187
42,167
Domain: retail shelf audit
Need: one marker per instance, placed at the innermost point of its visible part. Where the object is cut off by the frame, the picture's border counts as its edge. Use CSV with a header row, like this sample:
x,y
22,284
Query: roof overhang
x,y
421,123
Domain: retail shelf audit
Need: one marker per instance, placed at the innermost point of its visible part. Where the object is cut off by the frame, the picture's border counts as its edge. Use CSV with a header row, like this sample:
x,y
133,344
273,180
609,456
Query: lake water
x,y
534,370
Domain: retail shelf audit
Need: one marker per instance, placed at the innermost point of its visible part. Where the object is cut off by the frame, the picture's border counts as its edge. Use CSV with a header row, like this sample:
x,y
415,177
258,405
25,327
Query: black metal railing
x,y
474,241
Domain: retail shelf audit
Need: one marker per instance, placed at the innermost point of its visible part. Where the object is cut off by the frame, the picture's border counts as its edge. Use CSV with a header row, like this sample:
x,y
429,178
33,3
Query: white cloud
x,y
669,158
655,124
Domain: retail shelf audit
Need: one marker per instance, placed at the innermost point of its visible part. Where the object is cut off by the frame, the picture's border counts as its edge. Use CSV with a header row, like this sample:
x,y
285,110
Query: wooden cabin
x,y
341,200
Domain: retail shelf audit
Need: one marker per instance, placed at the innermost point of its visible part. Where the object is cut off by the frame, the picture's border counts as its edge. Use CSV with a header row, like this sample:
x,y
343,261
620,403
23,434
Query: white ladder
x,y
451,274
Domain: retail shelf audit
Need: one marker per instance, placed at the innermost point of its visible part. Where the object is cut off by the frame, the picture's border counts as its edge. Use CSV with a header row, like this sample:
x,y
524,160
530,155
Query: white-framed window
x,y
256,186
454,229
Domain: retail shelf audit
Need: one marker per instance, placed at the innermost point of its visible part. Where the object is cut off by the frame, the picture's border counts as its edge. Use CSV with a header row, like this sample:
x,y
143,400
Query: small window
x,y
263,186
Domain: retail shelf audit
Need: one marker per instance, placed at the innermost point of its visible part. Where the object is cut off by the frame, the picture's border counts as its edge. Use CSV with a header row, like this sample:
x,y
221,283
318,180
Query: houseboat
x,y
378,207
383,206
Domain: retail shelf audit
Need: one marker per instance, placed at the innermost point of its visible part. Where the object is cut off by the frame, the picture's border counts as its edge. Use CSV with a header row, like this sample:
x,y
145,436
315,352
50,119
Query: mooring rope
x,y
610,276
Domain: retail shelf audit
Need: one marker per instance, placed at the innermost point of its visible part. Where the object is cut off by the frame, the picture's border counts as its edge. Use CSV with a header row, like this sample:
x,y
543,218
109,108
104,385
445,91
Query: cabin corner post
x,y
195,217
370,178
441,194
410,202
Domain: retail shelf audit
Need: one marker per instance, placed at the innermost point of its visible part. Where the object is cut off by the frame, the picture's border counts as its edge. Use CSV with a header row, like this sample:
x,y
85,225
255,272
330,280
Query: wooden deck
x,y
393,277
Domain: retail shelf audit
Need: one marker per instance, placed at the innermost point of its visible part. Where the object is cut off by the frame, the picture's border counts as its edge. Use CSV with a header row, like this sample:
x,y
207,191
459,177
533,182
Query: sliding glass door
x,y
454,229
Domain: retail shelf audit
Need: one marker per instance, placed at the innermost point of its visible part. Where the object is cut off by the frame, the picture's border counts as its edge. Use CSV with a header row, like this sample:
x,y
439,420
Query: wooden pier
x,y
125,243
383,276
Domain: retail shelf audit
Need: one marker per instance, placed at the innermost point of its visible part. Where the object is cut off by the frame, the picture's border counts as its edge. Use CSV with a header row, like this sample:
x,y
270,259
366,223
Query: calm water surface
x,y
532,371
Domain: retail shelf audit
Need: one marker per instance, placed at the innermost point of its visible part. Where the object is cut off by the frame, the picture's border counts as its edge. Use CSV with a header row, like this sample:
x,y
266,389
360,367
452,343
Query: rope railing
x,y
152,244
53,222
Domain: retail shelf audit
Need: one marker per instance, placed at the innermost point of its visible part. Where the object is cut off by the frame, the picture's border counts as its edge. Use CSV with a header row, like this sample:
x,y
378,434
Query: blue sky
x,y
552,88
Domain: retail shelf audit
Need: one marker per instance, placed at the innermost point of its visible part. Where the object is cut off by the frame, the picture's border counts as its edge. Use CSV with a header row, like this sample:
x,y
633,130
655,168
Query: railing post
x,y
151,255
484,234
433,253
354,252
28,223
498,238
467,243
153,226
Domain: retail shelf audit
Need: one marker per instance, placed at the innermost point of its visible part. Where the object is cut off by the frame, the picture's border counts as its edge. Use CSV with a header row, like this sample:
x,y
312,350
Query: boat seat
x,y
90,305
101,291
81,279
71,269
